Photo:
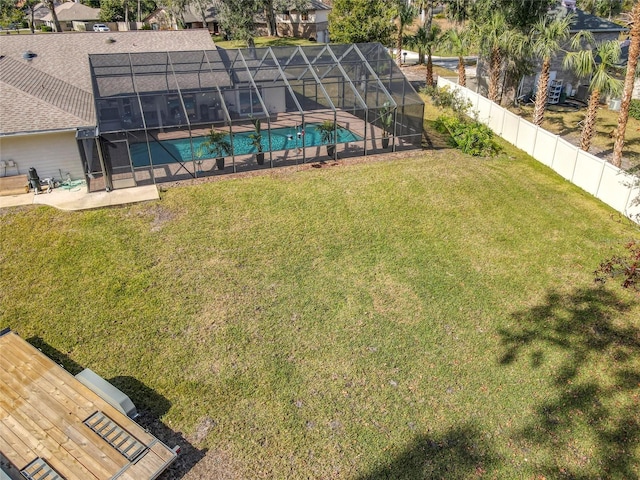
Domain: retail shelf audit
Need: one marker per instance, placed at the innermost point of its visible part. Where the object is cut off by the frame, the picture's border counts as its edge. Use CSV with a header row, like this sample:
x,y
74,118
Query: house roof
x,y
192,13
70,11
58,78
317,5
585,21
51,421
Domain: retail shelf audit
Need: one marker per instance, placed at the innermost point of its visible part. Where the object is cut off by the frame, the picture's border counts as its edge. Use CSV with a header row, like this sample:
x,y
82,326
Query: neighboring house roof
x,y
40,10
317,5
585,21
192,13
58,78
70,11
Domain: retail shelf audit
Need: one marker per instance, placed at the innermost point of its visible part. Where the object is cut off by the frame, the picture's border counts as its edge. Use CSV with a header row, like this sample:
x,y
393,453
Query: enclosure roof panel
x,y
347,76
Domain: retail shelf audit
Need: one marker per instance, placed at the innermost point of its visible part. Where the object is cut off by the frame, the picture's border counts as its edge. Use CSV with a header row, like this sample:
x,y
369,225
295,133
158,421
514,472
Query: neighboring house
x,y
192,17
46,93
312,23
71,15
601,29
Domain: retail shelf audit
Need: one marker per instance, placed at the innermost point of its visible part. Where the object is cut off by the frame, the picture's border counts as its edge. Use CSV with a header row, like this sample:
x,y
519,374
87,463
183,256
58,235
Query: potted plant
x,y
256,140
327,131
218,145
386,119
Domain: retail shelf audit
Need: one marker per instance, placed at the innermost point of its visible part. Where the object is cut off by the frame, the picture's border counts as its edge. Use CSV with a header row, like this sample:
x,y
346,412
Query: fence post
x,y
604,164
555,149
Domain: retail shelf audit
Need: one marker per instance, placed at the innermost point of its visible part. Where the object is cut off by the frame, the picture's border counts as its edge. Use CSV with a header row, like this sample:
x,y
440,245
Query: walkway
x,y
80,199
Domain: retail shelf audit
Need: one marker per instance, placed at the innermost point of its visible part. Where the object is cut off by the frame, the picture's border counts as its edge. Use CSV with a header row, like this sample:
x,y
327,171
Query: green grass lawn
x,y
428,317
262,42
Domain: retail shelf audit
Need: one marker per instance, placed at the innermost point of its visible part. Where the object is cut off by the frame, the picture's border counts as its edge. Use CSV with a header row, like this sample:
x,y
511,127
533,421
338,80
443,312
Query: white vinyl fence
x,y
601,179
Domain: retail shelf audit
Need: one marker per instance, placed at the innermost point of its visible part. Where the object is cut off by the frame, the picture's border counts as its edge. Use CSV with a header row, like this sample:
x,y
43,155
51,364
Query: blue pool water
x,y
281,139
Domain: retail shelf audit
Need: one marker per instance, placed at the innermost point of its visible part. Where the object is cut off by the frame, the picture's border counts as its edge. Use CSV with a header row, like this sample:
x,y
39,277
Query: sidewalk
x,y
81,200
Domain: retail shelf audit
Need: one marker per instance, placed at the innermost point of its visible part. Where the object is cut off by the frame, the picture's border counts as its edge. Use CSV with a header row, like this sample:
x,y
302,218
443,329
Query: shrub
x,y
444,97
46,28
469,136
634,109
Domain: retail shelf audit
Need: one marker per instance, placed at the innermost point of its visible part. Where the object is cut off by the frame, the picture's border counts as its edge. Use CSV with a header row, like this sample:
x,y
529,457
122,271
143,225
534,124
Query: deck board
x,y
47,418
42,410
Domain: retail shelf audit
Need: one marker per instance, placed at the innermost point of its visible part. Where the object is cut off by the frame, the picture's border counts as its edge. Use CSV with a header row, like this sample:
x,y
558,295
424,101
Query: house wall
x,y
48,153
314,25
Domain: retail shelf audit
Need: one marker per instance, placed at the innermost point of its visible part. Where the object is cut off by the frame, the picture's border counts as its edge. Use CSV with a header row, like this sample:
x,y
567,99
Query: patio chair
x,y
11,164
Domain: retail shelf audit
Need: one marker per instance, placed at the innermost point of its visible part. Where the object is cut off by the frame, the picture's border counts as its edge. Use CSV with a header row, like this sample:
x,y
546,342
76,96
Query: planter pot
x,y
260,158
385,142
220,163
331,150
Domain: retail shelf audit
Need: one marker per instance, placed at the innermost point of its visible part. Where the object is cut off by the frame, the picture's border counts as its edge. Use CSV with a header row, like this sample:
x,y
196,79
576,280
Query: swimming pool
x,y
167,151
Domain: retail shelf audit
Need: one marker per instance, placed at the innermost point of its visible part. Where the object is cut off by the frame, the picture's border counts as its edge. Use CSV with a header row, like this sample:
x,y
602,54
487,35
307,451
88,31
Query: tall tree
x,y
30,7
457,11
629,80
237,19
458,41
491,36
52,8
10,14
418,42
361,21
547,36
598,64
504,46
405,16
424,42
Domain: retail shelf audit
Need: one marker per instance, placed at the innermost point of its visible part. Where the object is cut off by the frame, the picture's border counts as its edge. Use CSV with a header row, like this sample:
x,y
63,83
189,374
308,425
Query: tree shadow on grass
x,y
460,453
589,427
150,405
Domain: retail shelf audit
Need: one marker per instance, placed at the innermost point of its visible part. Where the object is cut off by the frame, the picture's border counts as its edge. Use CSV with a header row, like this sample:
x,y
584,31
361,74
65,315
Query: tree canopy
x,y
360,21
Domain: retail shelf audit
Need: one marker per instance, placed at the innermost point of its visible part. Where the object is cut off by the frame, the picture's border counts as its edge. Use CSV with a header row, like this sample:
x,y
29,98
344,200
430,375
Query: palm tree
x,y
547,34
595,63
500,43
404,17
632,65
492,39
418,42
424,40
459,42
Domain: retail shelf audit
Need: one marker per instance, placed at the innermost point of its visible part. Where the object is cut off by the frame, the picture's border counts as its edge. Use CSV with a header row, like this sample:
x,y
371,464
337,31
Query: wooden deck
x,y
42,414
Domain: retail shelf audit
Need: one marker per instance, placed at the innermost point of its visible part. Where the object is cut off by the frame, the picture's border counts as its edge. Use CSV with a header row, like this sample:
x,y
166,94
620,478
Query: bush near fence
x,y
615,187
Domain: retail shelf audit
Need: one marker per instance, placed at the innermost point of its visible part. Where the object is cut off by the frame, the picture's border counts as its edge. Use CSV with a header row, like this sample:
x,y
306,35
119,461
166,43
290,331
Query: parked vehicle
x,y
100,27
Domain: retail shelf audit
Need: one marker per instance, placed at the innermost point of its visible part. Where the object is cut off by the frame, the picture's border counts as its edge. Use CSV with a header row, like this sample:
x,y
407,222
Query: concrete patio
x,y
80,199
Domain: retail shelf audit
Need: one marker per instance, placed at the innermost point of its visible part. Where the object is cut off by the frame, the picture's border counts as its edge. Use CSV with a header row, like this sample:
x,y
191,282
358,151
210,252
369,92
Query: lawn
x,y
426,317
262,42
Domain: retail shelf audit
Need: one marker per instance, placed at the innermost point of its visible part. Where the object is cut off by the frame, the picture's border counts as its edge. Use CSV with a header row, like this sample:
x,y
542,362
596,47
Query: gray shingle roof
x,y
47,88
62,65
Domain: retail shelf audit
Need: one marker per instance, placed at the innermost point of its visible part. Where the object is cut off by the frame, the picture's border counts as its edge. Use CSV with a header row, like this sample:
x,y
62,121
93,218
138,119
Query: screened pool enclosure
x,y
168,115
